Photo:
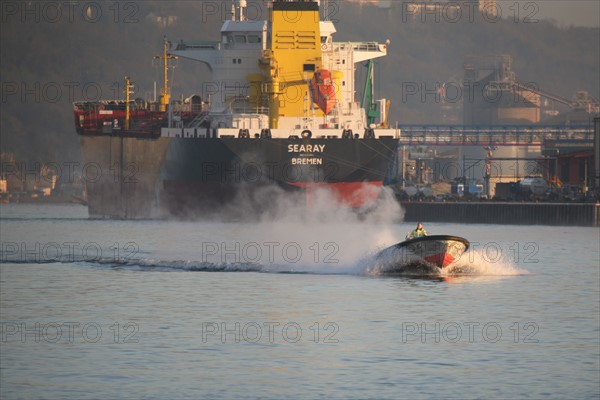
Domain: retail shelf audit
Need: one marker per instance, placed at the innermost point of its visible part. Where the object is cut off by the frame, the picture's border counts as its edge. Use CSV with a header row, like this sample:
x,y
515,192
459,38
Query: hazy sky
x,y
565,12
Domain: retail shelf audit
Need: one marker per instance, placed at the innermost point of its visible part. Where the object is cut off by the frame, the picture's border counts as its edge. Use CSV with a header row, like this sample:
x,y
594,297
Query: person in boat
x,y
419,232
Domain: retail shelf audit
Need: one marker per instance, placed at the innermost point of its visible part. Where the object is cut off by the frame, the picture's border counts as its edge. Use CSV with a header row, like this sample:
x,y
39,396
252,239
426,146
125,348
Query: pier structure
x,y
562,154
494,135
504,213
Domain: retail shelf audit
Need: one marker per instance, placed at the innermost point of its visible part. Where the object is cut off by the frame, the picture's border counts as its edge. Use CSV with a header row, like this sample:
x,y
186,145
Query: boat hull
x,y
439,251
153,178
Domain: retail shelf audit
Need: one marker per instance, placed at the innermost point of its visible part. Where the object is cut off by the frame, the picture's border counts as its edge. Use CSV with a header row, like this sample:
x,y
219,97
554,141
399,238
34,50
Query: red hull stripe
x,y
443,259
353,194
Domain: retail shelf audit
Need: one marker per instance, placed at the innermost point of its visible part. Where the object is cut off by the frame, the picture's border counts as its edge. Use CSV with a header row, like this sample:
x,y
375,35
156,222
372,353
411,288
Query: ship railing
x,y
114,105
178,106
250,110
198,45
358,46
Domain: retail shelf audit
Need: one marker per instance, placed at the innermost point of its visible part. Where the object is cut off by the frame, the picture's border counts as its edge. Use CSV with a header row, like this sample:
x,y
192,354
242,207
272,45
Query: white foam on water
x,y
327,237
400,262
477,263
330,235
277,231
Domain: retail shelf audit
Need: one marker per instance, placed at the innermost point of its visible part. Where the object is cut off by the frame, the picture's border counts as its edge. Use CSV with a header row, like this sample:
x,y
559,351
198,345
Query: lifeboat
x,y
322,90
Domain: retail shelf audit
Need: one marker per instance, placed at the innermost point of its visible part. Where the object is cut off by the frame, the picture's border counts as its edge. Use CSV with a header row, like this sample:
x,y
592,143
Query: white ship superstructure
x,y
243,88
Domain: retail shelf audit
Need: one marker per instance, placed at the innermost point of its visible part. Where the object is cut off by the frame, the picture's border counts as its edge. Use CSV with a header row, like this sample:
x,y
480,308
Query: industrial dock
x,y
504,213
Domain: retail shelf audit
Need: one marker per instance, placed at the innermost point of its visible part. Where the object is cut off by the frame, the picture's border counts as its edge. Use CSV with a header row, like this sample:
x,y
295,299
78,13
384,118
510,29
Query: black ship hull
x,y
154,178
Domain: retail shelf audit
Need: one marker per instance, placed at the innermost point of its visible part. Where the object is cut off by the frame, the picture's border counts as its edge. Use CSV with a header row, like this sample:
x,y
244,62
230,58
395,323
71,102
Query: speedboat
x,y
439,251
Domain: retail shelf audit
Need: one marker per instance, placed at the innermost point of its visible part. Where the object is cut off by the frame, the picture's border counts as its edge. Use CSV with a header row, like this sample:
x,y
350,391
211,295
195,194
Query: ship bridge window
x,y
240,38
309,68
253,39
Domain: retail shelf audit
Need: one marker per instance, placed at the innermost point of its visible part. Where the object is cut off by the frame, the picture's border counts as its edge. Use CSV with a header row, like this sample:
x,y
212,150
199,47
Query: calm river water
x,y
290,308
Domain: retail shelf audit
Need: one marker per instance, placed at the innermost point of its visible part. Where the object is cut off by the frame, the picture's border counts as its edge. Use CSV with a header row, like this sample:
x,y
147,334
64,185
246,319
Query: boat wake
x,y
476,264
325,241
472,265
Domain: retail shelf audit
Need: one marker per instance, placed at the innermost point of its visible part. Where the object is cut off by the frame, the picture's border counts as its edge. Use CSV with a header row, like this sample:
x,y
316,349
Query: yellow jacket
x,y
416,233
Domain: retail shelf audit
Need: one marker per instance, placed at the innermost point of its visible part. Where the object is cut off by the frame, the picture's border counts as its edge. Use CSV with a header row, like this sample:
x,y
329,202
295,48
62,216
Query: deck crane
x,y
371,108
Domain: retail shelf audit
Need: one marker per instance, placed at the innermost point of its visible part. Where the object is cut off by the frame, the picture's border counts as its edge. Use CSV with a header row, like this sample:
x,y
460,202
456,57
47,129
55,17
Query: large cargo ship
x,y
282,114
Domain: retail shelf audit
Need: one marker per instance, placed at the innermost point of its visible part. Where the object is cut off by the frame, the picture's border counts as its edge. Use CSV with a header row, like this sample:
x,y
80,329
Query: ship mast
x,y
165,93
128,92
